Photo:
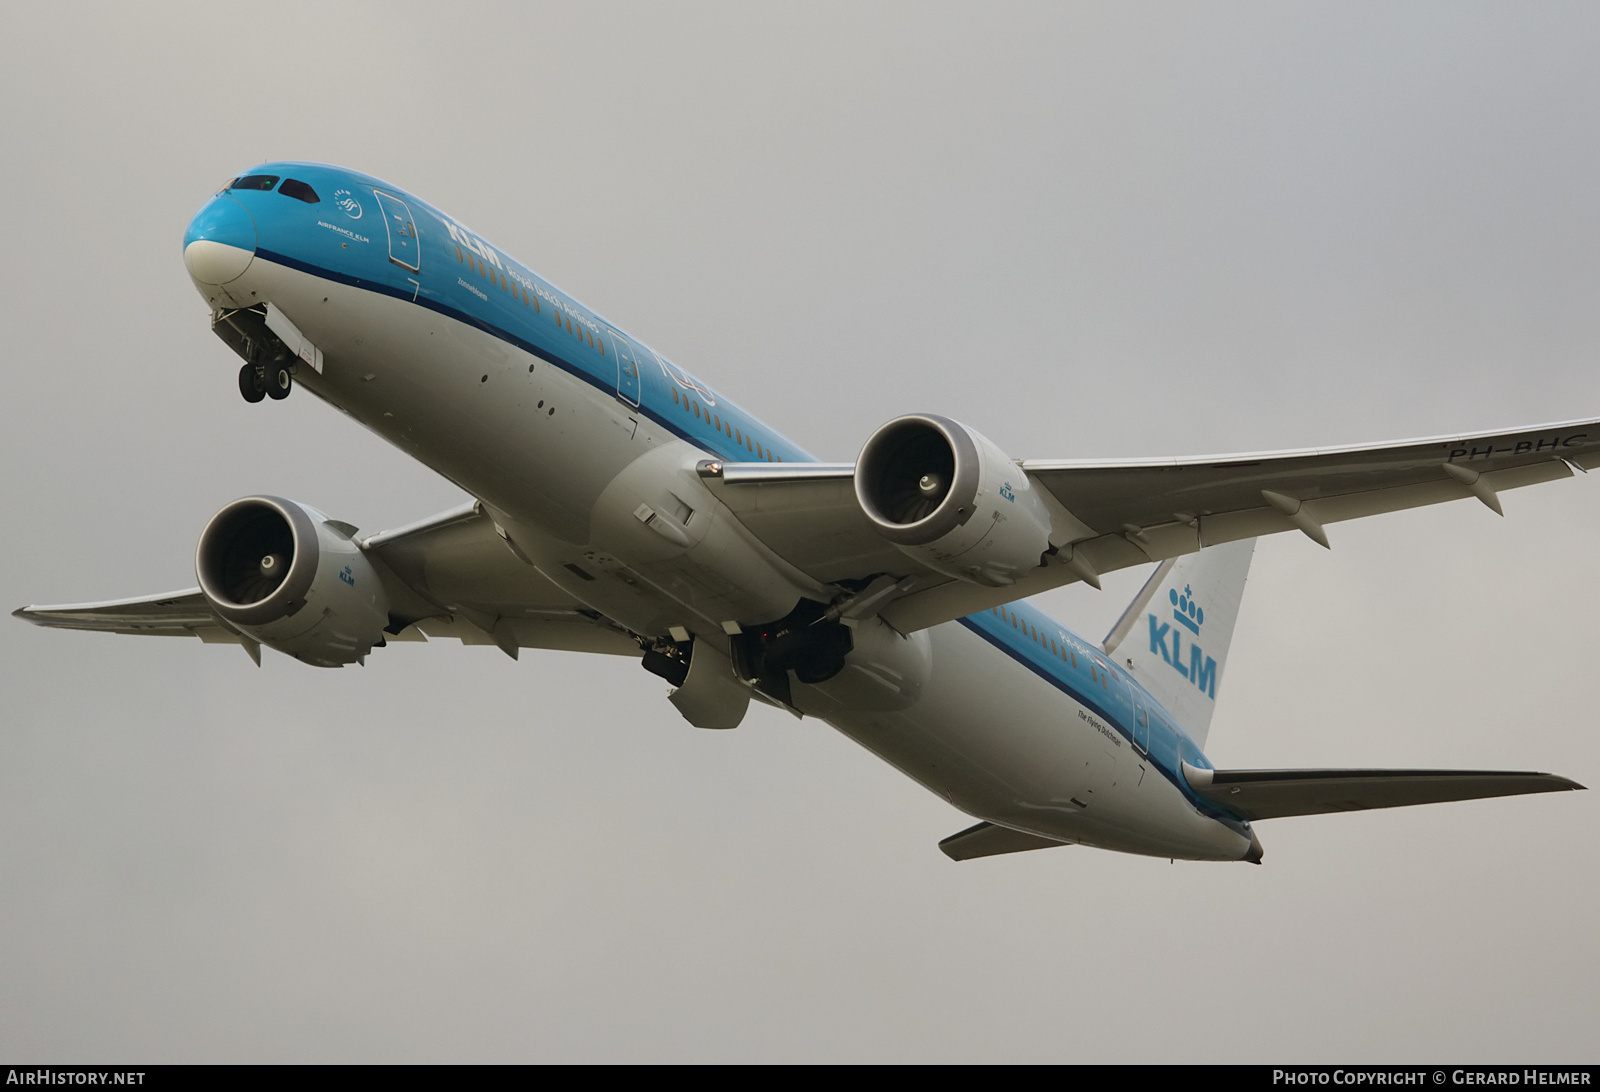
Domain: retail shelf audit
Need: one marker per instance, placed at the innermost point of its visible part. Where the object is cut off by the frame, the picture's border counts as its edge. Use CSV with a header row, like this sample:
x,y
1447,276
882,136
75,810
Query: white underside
x,y
991,737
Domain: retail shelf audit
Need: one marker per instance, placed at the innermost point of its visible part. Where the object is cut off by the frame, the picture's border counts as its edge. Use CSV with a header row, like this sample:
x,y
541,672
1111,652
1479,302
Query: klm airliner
x,y
623,506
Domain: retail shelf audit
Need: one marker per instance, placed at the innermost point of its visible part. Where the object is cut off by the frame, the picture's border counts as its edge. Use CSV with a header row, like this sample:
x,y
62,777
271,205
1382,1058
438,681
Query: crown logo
x,y
1188,614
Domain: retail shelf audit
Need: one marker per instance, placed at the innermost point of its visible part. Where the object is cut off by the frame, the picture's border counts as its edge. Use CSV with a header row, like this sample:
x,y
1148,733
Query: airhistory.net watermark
x,y
52,1076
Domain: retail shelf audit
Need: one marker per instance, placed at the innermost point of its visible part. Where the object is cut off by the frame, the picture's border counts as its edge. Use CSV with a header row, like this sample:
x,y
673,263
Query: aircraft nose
x,y
220,242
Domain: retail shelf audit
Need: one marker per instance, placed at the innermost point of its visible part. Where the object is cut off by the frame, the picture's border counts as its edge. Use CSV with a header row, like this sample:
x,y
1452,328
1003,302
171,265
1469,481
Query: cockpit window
x,y
293,187
255,182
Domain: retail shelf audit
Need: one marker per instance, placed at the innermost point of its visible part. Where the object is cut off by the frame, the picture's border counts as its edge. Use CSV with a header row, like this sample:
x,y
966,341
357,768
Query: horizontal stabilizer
x,y
1272,794
987,840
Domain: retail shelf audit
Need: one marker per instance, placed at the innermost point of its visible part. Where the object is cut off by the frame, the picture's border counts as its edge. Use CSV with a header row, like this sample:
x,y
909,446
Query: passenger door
x,y
627,368
402,229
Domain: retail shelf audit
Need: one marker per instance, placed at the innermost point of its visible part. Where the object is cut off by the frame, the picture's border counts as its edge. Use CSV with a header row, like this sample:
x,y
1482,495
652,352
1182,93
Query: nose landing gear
x,y
267,360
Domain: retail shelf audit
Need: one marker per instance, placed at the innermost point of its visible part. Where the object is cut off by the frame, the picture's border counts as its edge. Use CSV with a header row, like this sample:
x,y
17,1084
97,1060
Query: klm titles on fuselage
x,y
1201,670
470,242
465,239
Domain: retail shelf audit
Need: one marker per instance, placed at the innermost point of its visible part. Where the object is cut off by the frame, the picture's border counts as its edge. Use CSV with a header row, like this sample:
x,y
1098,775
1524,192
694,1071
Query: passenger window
x,y
255,182
293,187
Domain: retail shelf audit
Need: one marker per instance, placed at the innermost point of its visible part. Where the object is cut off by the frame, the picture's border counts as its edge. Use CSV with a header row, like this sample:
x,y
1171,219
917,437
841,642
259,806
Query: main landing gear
x,y
257,381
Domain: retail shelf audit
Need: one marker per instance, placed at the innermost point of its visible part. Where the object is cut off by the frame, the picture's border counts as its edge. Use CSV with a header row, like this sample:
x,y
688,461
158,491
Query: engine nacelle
x,y
950,498
285,575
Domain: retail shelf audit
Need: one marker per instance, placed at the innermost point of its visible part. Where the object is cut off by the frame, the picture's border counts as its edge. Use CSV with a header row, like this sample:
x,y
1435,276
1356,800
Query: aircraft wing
x,y
174,614
451,575
1273,794
1111,514
466,581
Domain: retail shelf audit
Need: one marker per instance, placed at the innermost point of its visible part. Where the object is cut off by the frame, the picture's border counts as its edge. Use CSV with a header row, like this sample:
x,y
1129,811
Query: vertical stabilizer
x,y
1174,636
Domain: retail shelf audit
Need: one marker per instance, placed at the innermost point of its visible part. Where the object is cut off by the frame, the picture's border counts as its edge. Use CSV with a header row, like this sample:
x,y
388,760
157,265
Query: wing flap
x,y
1273,794
173,614
568,632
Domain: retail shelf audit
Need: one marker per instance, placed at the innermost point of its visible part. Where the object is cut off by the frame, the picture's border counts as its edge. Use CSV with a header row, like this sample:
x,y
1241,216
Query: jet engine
x,y
950,498
287,576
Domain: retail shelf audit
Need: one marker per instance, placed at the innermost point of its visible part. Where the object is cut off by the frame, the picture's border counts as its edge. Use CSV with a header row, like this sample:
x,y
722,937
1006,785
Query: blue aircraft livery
x,y
616,504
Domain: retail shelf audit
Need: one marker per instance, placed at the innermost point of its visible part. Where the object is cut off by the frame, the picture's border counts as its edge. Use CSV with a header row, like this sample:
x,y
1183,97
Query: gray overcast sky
x,y
1085,230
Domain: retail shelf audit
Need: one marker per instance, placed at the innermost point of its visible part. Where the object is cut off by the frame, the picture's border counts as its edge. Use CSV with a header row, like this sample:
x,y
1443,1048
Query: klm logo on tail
x,y
1201,669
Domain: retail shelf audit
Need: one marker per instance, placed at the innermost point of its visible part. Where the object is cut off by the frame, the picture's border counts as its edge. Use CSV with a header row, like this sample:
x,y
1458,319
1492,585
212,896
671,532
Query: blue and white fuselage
x,y
622,506
535,404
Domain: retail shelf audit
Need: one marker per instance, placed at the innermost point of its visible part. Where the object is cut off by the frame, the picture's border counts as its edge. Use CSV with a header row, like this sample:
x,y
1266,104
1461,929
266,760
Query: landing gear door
x,y
627,368
403,248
